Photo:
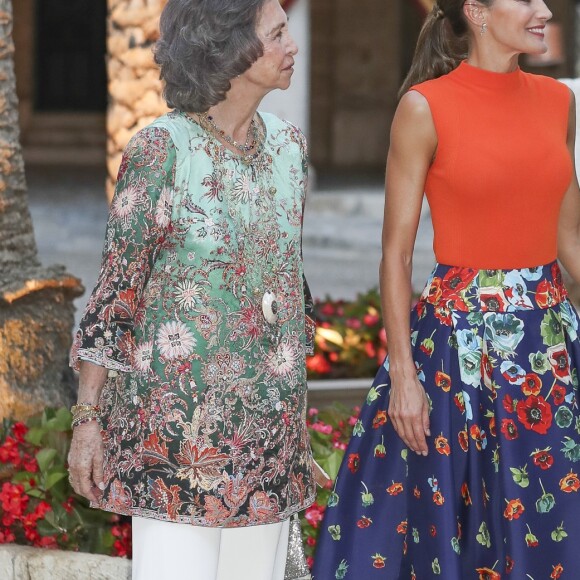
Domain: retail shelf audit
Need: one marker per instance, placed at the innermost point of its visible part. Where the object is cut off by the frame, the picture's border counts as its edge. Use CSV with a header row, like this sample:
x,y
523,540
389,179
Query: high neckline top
x,y
501,169
480,77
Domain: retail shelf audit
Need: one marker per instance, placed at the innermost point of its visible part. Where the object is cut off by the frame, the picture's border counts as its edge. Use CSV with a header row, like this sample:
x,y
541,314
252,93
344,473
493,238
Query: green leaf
x,y
53,478
35,435
45,528
45,457
61,421
50,519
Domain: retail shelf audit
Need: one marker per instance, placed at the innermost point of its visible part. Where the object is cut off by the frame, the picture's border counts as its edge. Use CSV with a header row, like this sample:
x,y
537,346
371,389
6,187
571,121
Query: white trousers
x,y
171,551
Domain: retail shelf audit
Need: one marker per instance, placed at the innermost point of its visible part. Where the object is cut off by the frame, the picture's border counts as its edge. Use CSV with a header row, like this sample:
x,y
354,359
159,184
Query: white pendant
x,y
270,307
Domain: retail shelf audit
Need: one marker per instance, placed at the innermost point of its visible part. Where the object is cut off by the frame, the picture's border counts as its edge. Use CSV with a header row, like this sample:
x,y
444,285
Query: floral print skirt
x,y
498,495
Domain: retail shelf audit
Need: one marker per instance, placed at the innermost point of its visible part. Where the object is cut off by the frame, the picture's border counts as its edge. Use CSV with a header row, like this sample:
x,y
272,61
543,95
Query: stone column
x,y
134,86
36,311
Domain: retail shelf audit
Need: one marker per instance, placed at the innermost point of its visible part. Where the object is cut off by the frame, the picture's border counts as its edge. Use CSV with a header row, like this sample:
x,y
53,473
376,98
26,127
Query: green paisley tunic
x,y
205,405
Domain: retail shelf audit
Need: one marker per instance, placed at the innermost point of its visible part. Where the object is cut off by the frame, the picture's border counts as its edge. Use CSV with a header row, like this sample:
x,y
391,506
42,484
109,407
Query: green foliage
x,y
38,504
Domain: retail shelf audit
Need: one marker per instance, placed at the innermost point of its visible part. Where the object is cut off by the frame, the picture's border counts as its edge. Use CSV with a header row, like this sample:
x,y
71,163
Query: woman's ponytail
x,y
442,43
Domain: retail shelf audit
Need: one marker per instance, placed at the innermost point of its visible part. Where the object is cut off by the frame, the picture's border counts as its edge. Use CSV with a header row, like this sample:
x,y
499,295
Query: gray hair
x,y
203,45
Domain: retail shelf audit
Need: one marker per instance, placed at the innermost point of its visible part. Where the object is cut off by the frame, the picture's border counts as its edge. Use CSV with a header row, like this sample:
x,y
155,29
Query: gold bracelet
x,y
83,420
83,406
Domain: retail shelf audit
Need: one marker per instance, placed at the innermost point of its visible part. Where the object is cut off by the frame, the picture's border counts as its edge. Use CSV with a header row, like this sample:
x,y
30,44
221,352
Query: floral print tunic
x,y
204,408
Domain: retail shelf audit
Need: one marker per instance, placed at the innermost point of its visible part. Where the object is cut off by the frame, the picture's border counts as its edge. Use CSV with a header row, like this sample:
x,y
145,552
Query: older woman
x,y
191,413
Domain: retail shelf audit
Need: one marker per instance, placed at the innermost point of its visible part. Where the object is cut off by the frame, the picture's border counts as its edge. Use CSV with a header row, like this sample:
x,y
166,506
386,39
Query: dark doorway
x,y
70,55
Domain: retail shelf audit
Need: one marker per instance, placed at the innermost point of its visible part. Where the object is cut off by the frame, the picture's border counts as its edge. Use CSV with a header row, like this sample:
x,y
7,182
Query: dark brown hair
x,y
442,43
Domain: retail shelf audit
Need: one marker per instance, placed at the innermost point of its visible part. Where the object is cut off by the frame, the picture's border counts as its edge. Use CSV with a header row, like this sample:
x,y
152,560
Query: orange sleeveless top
x,y
501,167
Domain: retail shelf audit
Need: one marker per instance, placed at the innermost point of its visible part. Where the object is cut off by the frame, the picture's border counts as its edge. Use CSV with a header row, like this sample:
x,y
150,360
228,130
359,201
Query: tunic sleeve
x,y
139,220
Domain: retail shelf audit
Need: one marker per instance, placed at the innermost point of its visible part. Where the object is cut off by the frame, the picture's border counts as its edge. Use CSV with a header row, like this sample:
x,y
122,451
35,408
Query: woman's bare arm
x,y
569,222
413,146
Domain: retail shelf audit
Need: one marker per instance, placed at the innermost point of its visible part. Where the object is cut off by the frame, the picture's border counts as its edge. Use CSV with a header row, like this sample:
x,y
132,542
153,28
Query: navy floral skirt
x,y
498,495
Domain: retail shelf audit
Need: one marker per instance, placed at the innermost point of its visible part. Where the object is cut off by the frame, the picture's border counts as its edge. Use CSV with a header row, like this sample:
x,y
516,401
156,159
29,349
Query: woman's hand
x,y
85,461
409,412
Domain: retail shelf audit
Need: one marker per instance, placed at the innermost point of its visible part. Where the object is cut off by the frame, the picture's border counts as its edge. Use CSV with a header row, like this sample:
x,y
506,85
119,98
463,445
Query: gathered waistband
x,y
470,290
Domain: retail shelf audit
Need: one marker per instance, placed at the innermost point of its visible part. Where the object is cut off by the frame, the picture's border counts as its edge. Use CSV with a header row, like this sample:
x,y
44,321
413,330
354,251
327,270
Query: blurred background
x,y
86,83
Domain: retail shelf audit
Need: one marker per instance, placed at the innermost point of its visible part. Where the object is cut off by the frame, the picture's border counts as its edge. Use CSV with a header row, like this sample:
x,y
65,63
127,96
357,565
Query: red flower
x,y
558,394
546,294
353,462
442,445
459,402
513,510
19,430
364,522
509,564
371,319
493,300
318,364
479,436
6,536
9,452
443,314
314,514
456,280
123,544
508,403
395,489
542,458
29,463
402,527
535,414
443,381
486,368
434,293
438,498
432,531
570,483
13,498
379,419
487,574
48,542
532,384
420,309
68,505
465,494
556,572
558,281
378,561
509,429
558,357
463,439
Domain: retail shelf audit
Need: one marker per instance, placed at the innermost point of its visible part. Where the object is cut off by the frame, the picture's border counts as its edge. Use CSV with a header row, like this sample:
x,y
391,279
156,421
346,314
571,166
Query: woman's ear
x,y
475,13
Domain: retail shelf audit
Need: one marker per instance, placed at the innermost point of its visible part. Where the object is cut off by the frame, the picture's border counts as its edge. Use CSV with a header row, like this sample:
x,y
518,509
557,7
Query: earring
x,y
483,29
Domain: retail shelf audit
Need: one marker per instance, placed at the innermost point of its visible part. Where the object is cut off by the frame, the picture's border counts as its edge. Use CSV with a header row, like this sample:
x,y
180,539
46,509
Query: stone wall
x,y
134,85
23,563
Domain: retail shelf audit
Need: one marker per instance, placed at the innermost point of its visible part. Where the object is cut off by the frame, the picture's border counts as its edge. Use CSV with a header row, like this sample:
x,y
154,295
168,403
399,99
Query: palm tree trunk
x,y
36,312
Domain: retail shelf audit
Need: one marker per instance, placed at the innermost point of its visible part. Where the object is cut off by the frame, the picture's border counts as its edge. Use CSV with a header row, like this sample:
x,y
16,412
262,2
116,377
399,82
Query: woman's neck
x,y
234,114
491,61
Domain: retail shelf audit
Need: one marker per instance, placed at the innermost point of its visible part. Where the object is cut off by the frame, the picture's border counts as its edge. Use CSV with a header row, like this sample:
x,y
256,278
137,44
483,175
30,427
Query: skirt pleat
x,y
497,495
